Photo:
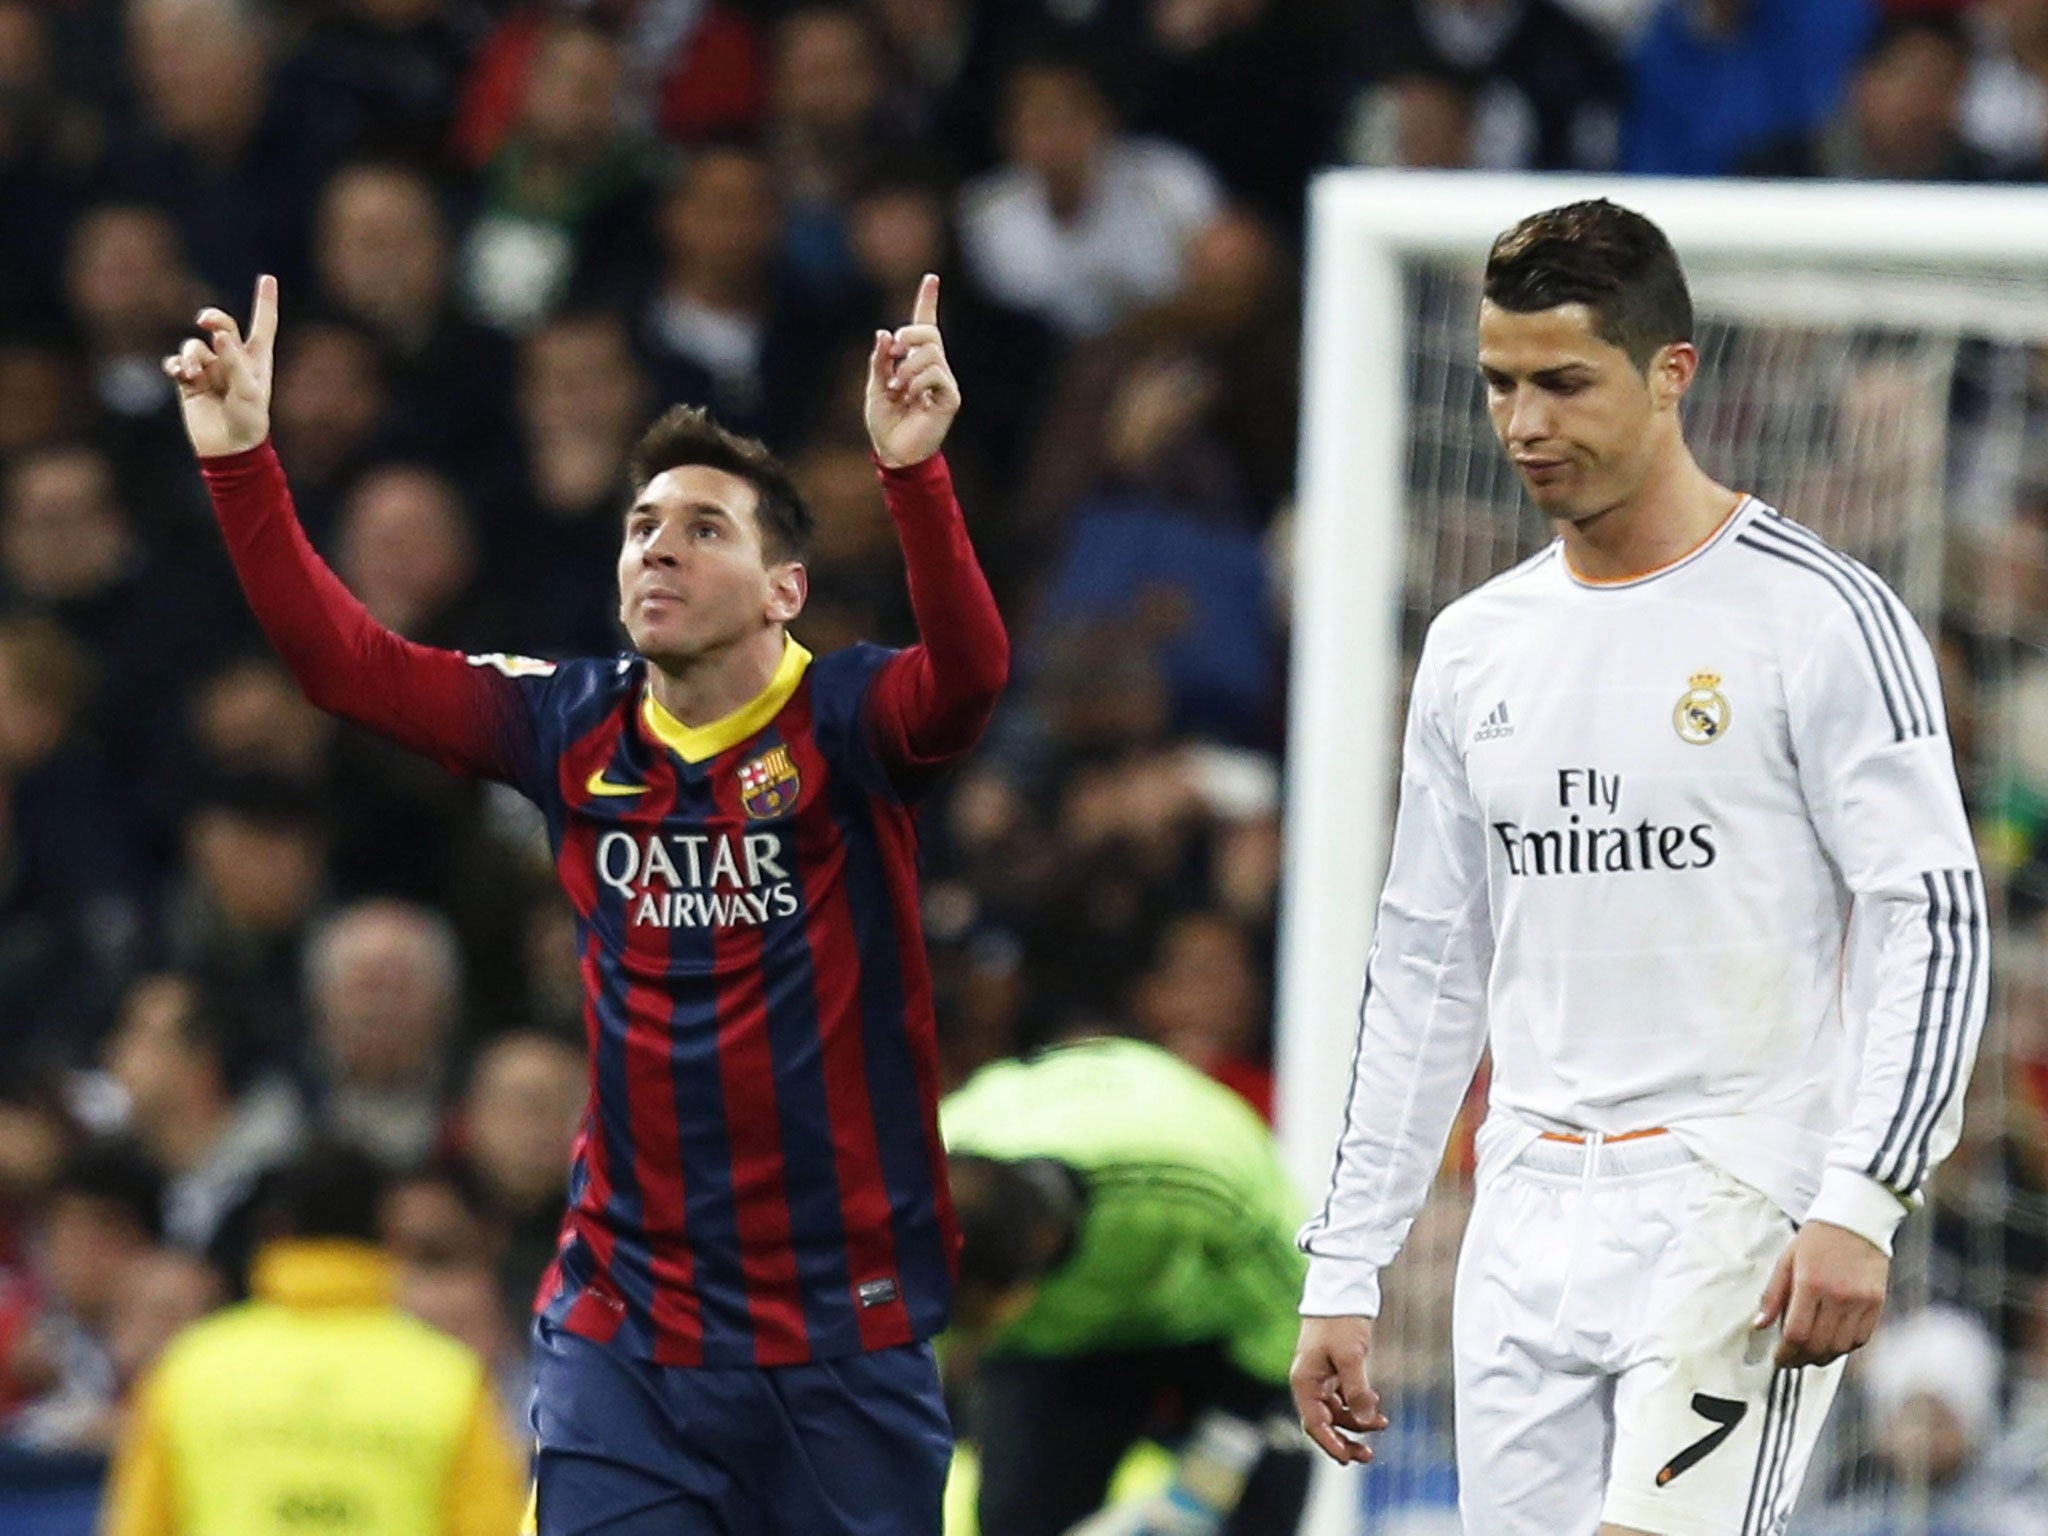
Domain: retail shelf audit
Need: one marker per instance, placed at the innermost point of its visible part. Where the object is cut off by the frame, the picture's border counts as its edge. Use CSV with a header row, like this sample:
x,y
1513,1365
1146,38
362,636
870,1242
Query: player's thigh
x,y
1711,1437
1051,1433
611,1458
1532,1427
864,1446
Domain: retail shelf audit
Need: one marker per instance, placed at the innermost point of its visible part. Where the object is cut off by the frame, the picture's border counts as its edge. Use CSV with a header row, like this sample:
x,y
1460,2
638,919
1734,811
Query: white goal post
x,y
1972,260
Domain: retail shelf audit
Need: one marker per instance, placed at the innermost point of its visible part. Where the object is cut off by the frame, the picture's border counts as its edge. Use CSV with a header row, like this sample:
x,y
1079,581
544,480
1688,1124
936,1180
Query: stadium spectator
x,y
1900,120
333,411
248,719
70,552
1715,78
726,327
1127,1267
233,158
40,170
945,53
314,1430
2005,105
828,119
1212,63
197,1100
1419,119
565,196
100,1219
71,888
162,1292
1932,1384
407,549
1203,999
387,71
1081,223
521,1113
384,255
42,393
128,290
384,988
255,877
583,400
691,74
1192,400
1546,91
899,226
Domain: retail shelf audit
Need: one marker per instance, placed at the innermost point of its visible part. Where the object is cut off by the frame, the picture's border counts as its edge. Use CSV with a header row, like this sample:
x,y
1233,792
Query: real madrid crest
x,y
769,785
1702,713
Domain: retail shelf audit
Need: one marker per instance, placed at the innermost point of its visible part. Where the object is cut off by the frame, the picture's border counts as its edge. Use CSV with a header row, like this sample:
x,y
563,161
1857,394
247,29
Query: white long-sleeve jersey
x,y
1635,821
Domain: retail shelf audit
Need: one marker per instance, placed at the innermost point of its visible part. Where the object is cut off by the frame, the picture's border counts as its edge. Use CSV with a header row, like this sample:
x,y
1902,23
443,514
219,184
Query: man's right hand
x,y
224,381
1331,1393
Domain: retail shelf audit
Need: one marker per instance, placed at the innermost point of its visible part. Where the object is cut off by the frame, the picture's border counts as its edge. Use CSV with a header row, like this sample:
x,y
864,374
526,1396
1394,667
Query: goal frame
x,y
1345,666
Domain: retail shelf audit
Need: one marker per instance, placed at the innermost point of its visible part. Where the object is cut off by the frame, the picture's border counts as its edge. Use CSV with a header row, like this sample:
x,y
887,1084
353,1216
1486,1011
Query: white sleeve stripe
x,y
1896,677
1886,604
1956,947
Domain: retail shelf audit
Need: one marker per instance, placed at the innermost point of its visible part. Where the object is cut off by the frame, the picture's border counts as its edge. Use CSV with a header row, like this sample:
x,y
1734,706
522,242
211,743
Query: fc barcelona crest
x,y
769,785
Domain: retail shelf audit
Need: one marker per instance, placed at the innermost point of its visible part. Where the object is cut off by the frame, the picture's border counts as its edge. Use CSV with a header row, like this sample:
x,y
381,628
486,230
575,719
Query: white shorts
x,y
1607,1369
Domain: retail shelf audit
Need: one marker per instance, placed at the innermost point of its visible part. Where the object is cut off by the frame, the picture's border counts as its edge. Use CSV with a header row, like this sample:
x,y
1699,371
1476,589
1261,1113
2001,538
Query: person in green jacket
x,y
1128,1270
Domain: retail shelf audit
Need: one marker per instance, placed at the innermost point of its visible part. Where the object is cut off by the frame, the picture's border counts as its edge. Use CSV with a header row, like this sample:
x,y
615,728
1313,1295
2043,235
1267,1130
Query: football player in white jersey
x,y
1680,839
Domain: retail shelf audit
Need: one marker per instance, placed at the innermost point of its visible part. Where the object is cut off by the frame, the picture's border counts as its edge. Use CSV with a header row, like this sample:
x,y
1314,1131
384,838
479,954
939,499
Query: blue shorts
x,y
853,1447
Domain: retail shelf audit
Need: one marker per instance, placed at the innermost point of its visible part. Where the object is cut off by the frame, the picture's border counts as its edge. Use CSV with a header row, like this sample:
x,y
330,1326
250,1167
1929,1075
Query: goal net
x,y
1874,365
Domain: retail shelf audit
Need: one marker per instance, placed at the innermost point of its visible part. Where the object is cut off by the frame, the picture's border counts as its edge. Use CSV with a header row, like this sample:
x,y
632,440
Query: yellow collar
x,y
323,1272
696,743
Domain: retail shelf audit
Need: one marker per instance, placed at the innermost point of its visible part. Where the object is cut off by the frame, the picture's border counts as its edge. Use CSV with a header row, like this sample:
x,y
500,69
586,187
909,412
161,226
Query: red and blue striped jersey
x,y
758,1179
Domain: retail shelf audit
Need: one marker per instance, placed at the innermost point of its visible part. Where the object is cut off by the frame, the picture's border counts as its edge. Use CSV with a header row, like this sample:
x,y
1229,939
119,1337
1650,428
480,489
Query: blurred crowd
x,y
508,232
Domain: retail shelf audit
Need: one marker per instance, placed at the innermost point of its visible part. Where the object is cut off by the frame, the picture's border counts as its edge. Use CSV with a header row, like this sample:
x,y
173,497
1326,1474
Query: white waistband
x,y
1601,1158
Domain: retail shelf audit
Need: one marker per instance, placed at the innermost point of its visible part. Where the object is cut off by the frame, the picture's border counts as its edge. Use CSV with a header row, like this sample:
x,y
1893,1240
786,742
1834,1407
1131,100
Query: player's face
x,y
1575,414
693,577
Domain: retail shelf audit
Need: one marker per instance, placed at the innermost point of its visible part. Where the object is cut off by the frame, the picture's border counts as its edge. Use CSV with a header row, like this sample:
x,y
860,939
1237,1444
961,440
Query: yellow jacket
x,y
316,1405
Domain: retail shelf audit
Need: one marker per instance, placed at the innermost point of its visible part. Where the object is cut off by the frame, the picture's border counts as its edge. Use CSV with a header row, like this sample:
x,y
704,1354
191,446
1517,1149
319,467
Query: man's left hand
x,y
912,396
1828,1290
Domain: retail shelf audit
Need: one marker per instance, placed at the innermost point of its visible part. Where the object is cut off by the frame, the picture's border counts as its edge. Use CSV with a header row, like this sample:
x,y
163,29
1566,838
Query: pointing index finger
x,y
263,315
926,310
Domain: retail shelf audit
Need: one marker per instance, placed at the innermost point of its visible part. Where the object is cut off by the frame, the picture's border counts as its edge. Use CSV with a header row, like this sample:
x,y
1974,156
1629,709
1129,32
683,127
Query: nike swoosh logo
x,y
598,784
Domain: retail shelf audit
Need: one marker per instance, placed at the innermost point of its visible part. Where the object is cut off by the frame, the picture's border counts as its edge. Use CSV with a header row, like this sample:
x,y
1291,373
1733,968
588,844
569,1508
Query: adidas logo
x,y
1495,725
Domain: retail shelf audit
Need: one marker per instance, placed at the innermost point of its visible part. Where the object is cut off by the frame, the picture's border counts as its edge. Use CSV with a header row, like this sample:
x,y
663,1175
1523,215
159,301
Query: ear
x,y
1672,371
789,586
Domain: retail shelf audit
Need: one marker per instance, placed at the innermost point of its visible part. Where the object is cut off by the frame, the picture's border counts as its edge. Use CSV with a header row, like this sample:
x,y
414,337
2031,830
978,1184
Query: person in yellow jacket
x,y
317,1404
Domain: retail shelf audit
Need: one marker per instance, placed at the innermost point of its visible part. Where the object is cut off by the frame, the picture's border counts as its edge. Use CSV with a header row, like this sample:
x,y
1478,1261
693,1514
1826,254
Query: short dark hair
x,y
1011,1231
330,1189
686,434
1610,259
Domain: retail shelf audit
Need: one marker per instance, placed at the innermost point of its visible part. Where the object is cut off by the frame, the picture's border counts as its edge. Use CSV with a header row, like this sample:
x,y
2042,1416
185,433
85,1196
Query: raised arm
x,y
465,713
930,703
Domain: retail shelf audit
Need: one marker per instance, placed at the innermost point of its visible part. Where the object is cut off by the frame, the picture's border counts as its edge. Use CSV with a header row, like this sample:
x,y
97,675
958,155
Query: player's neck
x,y
707,688
1676,511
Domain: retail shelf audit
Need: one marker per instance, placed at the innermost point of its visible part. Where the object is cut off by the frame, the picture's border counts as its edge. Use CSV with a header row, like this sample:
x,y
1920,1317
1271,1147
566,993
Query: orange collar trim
x,y
1608,582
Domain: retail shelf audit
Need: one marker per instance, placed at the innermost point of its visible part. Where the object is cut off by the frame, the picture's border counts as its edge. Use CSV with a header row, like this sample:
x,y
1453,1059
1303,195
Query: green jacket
x,y
1188,1236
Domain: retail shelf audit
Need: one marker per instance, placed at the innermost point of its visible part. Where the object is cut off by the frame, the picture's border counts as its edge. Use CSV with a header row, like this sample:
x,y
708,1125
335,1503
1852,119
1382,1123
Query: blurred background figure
x,y
1080,223
519,1117
313,1424
195,1093
1932,1389
384,988
1128,1269
100,1218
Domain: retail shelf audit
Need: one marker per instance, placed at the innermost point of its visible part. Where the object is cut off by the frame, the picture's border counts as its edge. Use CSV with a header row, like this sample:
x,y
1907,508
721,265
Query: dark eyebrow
x,y
690,509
